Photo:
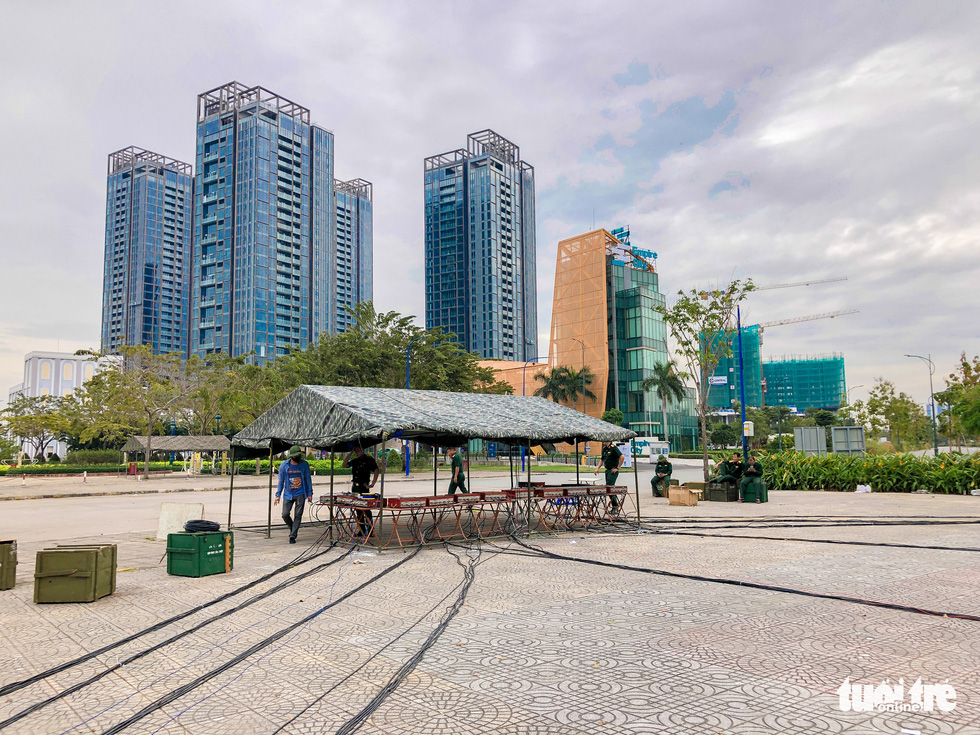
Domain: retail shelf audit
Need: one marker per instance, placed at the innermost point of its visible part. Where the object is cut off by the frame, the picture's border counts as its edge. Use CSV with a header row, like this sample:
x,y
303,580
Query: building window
x,y
66,371
45,371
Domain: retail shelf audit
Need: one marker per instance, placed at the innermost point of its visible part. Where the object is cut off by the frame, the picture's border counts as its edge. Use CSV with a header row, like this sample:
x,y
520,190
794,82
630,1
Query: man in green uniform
x,y
361,466
661,475
751,478
729,470
612,460
458,479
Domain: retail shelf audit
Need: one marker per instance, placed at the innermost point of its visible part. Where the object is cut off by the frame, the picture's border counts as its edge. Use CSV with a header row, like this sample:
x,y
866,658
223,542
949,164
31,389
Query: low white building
x,y
55,374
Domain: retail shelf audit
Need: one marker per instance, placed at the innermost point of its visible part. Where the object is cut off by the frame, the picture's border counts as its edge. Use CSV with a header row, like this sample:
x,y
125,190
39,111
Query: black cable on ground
x,y
373,656
751,585
881,524
18,685
172,639
204,678
815,540
355,722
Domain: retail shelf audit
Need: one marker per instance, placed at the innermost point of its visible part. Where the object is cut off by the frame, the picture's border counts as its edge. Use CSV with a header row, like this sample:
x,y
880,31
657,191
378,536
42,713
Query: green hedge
x,y
64,469
900,473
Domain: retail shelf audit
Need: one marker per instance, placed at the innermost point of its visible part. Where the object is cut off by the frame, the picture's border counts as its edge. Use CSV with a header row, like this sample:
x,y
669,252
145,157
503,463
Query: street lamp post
x,y
217,417
847,396
524,393
932,401
408,386
173,432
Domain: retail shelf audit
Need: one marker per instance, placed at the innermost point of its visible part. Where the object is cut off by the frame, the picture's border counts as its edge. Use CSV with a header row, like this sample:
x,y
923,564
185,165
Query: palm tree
x,y
669,386
555,384
579,381
564,384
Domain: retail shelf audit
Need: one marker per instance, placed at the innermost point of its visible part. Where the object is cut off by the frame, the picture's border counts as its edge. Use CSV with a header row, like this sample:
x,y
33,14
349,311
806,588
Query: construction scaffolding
x,y
805,381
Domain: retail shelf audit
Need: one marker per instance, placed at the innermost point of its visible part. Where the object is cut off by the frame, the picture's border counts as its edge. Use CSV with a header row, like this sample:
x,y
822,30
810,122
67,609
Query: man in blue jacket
x,y
295,487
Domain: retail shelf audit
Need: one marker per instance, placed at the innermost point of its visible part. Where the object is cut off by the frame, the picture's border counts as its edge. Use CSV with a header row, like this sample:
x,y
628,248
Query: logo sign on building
x,y
717,380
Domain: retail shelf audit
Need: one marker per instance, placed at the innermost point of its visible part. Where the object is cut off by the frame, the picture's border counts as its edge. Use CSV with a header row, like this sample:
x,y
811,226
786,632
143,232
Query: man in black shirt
x,y
361,466
612,459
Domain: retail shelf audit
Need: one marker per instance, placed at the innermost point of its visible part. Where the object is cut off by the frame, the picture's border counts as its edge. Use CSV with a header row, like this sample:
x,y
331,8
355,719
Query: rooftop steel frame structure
x,y
134,156
355,187
237,96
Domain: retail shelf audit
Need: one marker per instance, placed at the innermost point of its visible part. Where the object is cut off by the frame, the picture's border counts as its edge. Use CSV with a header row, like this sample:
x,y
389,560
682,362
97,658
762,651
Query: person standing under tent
x,y
611,461
458,479
361,466
295,488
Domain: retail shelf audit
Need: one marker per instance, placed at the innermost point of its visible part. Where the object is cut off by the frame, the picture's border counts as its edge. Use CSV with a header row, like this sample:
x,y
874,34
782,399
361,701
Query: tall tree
x,y
35,420
146,386
668,385
701,324
554,384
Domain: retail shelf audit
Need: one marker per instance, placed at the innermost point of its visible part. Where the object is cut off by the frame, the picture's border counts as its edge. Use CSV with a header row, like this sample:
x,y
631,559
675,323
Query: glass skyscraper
x,y
480,247
264,224
352,269
145,287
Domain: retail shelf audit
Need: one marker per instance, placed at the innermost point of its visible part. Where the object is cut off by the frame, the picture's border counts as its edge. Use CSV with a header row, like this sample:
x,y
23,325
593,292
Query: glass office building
x,y
480,247
607,293
145,294
353,267
263,224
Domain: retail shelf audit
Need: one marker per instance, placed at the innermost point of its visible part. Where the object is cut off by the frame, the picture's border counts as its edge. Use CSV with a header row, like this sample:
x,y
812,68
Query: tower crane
x,y
771,286
798,319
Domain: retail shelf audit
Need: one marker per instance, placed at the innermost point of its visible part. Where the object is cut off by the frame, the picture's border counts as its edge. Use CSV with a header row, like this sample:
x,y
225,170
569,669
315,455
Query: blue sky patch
x,y
636,74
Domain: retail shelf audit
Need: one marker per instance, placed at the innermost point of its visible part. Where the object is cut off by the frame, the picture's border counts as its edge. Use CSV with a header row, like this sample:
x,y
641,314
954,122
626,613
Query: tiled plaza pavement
x,y
540,645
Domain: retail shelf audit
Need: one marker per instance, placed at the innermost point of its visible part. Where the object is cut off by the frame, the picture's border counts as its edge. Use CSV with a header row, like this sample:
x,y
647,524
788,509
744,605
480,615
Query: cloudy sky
x,y
771,140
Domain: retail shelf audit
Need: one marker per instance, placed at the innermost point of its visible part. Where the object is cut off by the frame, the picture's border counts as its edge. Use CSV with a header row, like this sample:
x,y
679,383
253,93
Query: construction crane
x,y
812,317
799,283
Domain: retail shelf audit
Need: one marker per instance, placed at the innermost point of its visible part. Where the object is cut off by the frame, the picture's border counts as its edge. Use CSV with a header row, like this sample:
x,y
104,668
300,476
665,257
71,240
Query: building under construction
x,y
805,381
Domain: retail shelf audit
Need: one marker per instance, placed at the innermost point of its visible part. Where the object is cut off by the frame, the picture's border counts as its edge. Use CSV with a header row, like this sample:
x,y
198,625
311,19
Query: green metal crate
x,y
75,573
200,554
8,563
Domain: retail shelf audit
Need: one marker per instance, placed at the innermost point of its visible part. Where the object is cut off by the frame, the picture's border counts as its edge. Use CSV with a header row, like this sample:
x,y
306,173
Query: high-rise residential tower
x,y
352,268
145,287
480,247
264,224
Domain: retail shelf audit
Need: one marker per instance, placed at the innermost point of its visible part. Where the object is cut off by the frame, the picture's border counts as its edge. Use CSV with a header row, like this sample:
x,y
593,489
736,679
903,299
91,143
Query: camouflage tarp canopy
x,y
330,417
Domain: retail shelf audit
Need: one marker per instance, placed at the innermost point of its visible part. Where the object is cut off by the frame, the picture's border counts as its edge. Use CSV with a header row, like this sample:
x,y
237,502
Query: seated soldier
x,y
730,470
752,478
661,475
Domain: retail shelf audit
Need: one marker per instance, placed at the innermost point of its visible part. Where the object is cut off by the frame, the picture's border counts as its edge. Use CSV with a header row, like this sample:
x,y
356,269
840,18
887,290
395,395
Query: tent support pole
x,y
577,481
510,456
381,497
529,488
268,527
435,470
231,487
636,478
331,495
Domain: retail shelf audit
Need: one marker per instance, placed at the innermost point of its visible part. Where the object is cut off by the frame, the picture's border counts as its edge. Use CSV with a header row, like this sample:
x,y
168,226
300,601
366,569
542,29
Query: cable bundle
x,y
201,526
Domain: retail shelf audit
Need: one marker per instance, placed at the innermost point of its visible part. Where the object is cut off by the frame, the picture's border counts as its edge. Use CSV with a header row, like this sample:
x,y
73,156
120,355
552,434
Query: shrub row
x,y
897,473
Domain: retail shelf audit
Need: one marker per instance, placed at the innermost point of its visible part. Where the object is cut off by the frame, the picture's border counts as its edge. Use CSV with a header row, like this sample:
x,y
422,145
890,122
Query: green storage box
x,y
8,563
200,554
75,573
721,492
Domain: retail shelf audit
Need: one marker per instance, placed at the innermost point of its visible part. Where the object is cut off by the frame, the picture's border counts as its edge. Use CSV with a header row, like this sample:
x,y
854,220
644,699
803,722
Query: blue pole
x,y
741,386
408,386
